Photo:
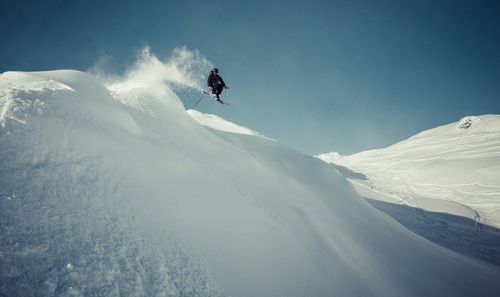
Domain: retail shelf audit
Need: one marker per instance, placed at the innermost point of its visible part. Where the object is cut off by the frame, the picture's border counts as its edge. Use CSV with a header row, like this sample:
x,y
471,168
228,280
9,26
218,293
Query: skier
x,y
216,84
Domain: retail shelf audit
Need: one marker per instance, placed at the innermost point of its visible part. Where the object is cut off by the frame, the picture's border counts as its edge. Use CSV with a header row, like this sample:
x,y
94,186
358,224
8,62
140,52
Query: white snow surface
x,y
330,157
122,193
453,169
218,123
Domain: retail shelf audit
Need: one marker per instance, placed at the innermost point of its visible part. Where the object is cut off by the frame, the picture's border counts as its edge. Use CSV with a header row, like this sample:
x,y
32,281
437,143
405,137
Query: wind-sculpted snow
x,y
13,108
65,230
218,123
122,193
454,169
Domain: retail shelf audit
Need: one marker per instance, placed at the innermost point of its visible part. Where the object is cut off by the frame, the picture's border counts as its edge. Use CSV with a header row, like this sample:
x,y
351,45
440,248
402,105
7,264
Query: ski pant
x,y
217,90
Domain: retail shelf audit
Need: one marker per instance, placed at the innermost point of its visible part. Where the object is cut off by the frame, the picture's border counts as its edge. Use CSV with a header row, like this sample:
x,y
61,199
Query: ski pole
x,y
197,102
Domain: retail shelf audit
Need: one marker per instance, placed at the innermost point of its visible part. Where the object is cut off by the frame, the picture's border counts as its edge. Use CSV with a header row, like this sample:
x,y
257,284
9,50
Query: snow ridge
x,y
218,123
122,193
455,163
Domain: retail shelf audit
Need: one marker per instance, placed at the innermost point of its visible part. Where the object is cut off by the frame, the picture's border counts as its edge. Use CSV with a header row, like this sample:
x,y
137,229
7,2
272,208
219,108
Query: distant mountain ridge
x,y
455,163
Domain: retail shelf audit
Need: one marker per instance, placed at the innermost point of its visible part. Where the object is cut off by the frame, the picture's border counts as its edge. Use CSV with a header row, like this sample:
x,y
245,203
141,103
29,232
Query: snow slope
x,y
218,123
121,193
453,168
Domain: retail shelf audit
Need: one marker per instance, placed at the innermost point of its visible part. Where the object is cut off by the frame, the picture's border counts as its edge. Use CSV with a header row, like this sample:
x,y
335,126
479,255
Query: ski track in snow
x,y
453,169
405,167
465,234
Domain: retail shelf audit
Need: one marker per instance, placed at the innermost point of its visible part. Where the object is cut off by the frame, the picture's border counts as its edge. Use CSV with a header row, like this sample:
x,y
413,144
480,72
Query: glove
x,y
226,87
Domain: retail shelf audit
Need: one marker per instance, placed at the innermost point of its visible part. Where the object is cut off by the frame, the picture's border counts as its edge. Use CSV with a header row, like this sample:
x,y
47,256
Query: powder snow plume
x,y
184,69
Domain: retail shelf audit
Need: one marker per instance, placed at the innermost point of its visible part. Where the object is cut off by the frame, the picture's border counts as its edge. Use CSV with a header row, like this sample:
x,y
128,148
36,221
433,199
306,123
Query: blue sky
x,y
316,75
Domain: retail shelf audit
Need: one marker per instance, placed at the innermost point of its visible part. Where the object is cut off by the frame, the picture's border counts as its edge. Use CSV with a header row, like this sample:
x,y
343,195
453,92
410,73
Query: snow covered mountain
x,y
453,168
119,192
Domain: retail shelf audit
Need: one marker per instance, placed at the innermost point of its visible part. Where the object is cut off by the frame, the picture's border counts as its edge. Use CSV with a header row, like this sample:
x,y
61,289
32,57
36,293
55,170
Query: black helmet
x,y
215,70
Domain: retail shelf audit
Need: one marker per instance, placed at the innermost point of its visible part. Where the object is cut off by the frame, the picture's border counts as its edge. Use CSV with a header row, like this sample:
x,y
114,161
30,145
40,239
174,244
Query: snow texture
x,y
218,123
121,193
330,157
453,169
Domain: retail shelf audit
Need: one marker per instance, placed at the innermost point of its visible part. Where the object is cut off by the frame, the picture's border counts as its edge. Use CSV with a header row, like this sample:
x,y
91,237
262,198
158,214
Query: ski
x,y
217,100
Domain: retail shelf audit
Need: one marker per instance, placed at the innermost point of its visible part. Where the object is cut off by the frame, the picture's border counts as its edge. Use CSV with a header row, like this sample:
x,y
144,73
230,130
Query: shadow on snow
x,y
460,234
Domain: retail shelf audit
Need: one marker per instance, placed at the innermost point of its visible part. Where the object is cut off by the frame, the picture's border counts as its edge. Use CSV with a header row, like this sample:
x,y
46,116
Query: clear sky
x,y
316,75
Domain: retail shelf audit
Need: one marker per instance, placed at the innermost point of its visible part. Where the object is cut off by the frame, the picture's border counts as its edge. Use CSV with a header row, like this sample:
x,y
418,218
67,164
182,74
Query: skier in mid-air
x,y
216,84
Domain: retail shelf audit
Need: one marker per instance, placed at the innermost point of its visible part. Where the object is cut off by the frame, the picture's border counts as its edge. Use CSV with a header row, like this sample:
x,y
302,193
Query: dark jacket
x,y
214,81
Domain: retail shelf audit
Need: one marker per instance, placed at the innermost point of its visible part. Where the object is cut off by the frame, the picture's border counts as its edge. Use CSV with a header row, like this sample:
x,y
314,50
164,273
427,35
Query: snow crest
x,y
122,193
31,88
330,157
458,163
218,123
